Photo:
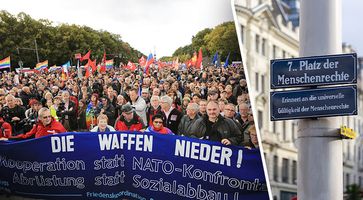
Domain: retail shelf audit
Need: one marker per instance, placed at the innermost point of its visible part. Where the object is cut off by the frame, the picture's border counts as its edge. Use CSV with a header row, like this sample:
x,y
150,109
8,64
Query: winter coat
x,y
223,128
173,120
186,124
39,130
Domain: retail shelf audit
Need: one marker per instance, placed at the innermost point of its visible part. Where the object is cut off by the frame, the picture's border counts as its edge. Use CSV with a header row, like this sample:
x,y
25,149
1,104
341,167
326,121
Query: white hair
x,y
42,110
167,99
193,106
154,97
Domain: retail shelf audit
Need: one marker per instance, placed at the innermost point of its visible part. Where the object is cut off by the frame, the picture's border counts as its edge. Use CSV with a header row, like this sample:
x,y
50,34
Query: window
x,y
285,170
274,49
275,168
284,195
257,43
262,83
347,179
293,131
256,81
242,33
284,130
348,150
294,172
274,127
260,119
263,50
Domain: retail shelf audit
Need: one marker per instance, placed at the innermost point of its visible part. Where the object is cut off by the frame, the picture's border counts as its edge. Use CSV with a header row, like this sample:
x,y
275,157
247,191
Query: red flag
x,y
86,56
93,65
188,63
87,71
142,61
131,66
103,63
199,60
161,64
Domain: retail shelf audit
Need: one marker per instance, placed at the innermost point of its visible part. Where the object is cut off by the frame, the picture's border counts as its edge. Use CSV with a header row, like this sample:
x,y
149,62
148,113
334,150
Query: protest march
x,y
146,130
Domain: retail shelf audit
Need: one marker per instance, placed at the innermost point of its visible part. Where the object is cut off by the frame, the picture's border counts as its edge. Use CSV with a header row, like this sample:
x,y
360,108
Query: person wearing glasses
x,y
158,127
46,125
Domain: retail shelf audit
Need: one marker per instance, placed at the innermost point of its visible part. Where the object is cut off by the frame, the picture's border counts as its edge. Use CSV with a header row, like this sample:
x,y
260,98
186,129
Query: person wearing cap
x,y
158,127
46,126
128,120
31,115
171,115
102,124
32,112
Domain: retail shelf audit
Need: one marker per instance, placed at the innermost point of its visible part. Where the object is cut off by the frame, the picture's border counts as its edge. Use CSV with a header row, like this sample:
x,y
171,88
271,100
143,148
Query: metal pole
x,y
36,50
320,159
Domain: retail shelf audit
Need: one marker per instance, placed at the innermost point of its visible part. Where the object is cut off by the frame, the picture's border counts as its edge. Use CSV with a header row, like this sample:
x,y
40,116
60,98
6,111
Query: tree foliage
x,y
221,39
353,192
58,44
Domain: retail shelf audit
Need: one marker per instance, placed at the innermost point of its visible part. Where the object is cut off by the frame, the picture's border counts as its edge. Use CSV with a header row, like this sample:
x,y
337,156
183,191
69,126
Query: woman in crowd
x,y
102,124
93,109
158,127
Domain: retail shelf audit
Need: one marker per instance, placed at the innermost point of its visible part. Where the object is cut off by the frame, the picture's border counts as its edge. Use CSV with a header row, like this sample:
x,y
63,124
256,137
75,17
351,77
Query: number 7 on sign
x,y
289,64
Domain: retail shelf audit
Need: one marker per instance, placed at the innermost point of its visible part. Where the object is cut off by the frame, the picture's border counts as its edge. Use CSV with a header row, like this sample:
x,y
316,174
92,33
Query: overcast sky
x,y
351,24
163,25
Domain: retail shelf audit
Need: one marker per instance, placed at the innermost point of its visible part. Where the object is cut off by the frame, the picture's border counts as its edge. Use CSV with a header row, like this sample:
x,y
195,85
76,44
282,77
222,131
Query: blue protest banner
x,y
121,165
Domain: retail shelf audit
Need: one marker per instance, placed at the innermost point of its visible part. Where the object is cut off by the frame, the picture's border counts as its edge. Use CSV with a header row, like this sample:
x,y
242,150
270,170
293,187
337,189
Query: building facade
x,y
267,29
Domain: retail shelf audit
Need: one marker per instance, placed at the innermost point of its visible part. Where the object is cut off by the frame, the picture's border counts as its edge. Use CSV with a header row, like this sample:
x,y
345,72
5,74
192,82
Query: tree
x,y
58,44
353,192
222,38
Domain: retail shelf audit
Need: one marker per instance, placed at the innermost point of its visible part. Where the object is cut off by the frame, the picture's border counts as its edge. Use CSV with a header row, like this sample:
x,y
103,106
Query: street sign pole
x,y
320,162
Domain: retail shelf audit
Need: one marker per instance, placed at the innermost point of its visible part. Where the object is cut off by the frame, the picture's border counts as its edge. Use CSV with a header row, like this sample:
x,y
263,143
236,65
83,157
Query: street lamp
x,y
31,49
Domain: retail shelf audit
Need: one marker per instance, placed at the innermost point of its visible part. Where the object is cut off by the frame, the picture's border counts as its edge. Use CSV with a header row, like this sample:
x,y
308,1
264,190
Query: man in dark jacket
x,y
13,114
109,110
67,112
230,112
171,115
189,119
215,127
26,95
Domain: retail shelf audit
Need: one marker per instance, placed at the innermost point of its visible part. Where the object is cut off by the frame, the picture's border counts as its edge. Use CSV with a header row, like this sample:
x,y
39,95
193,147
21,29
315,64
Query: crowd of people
x,y
210,104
